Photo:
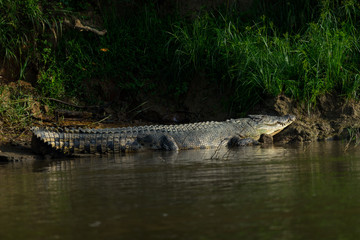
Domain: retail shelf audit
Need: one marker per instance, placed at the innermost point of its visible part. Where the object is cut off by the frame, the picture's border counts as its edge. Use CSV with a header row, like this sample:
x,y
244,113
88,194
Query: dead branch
x,y
79,25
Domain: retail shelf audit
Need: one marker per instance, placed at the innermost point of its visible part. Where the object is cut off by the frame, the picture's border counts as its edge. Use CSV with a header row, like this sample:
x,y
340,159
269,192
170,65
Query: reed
x,y
260,59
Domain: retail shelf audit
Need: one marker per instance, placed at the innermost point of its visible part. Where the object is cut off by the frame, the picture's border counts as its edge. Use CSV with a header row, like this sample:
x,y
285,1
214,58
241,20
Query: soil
x,y
331,118
20,151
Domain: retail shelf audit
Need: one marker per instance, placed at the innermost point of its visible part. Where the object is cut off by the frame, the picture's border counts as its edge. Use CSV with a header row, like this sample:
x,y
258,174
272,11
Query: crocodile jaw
x,y
271,125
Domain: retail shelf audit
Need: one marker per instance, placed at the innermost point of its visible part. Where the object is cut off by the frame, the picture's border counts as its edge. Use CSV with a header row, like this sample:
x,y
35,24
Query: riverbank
x,y
333,118
94,66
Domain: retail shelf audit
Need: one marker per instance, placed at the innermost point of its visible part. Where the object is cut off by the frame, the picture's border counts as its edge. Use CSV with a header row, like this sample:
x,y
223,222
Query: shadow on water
x,y
278,192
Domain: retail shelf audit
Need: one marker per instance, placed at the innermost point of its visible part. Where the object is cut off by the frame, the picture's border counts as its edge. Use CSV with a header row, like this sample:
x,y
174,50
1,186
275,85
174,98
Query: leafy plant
x,y
16,108
259,59
22,24
303,49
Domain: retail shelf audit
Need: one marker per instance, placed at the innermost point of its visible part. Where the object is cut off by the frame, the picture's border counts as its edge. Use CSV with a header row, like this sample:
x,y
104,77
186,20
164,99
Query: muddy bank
x,y
332,118
14,152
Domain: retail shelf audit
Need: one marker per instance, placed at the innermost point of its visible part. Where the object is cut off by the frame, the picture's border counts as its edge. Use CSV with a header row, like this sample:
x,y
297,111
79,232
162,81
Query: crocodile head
x,y
271,125
264,124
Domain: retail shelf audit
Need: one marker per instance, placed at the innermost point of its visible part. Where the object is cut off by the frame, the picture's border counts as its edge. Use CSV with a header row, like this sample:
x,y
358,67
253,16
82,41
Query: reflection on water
x,y
292,192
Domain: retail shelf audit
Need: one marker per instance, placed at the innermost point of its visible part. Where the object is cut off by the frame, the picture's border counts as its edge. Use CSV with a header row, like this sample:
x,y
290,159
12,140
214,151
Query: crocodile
x,y
230,133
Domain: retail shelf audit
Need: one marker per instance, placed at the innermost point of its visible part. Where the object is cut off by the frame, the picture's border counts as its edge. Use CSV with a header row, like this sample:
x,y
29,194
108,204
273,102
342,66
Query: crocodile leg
x,y
168,143
240,142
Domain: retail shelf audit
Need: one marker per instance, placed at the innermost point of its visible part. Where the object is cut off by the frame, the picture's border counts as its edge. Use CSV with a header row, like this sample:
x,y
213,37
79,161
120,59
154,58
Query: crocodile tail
x,y
50,141
43,142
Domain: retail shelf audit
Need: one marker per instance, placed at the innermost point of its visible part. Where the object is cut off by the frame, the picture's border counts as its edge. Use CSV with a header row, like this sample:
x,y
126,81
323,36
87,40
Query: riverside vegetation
x,y
300,49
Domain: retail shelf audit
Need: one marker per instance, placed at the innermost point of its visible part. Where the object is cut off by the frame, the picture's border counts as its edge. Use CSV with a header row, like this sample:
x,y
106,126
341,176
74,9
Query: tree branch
x,y
79,25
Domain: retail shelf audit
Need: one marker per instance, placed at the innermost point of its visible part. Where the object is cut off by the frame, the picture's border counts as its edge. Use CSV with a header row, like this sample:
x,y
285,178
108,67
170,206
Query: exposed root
x,y
354,137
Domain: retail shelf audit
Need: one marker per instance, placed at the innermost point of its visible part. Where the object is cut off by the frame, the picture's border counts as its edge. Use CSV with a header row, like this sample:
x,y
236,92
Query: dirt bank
x,y
331,118
17,152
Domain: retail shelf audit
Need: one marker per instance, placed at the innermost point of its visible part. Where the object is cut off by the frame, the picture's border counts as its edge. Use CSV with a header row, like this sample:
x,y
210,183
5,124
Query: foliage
x,y
131,54
51,77
74,5
22,24
299,48
15,108
259,60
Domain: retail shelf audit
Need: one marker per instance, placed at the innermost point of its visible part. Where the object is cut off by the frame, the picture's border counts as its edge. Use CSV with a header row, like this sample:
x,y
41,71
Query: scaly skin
x,y
233,132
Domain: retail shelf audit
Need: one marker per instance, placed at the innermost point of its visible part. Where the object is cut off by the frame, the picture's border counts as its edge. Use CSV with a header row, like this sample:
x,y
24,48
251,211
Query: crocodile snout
x,y
292,118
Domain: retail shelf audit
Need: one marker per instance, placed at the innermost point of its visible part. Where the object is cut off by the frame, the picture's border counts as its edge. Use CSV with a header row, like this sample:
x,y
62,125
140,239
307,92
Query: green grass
x,y
16,108
303,49
22,24
259,60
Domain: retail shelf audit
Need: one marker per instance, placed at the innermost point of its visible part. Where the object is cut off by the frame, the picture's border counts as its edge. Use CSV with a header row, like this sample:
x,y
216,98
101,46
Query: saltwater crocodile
x,y
233,132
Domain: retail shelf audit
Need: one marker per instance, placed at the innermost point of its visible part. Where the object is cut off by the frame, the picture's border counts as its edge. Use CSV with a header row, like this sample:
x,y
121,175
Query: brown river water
x,y
278,192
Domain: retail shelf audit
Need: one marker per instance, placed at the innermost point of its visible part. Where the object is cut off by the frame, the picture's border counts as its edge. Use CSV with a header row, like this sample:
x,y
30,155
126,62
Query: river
x,y
277,192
